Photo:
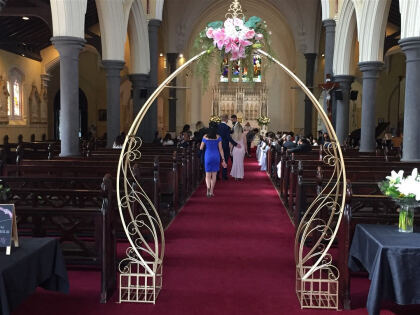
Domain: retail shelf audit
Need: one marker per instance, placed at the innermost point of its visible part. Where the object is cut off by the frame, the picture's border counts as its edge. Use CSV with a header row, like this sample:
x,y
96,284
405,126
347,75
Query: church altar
x,y
248,101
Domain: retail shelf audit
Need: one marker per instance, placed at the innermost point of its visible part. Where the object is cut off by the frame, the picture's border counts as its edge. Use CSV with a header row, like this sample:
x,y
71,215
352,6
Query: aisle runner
x,y
231,254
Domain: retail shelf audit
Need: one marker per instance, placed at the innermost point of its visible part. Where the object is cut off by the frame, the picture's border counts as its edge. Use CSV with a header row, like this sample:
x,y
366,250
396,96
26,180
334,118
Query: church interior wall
x,y
31,70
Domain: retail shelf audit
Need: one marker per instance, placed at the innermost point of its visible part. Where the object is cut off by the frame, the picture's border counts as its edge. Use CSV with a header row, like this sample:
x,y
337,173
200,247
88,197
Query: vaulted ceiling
x,y
26,26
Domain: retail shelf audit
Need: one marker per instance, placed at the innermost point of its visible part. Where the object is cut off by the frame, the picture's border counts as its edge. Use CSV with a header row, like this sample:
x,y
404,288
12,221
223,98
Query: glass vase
x,y
406,219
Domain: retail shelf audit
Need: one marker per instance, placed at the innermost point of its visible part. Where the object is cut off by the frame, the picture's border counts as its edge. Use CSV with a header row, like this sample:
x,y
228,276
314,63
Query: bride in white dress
x,y
238,154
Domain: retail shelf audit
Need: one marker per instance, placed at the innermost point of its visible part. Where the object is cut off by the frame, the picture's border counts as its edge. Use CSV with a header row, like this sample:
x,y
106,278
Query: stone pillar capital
x,y
139,80
310,56
409,43
328,24
113,67
154,23
343,78
68,45
373,67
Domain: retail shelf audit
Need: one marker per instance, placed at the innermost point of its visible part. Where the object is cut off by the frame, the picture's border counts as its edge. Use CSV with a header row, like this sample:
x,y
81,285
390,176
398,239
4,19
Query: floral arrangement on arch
x,y
263,120
402,188
215,119
235,37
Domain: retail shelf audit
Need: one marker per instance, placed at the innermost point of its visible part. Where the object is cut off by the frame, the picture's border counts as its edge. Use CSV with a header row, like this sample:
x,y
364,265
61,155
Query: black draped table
x,y
37,262
392,260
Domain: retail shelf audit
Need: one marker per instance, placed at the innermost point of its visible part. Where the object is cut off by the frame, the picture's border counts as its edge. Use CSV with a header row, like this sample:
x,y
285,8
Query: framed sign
x,y
8,227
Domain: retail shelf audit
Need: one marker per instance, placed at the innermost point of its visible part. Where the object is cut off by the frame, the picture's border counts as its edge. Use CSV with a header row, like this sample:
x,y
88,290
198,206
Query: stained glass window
x,y
16,98
224,77
14,87
235,69
9,99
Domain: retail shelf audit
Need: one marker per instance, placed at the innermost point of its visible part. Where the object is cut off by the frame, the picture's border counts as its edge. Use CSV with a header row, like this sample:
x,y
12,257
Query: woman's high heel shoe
x,y
208,193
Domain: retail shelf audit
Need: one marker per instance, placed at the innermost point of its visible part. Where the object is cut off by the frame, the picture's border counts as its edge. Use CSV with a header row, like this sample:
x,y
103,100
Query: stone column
x,y
151,116
411,145
329,50
140,85
310,69
172,58
370,70
342,118
113,82
69,49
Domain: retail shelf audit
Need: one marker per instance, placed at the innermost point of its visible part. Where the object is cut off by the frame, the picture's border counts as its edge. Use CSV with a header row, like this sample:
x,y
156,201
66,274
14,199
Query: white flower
x,y
415,174
395,177
409,186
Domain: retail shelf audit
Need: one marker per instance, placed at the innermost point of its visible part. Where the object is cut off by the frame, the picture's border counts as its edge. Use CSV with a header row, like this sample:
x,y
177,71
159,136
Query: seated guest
x,y
167,140
320,138
185,141
186,128
303,146
326,139
289,144
119,141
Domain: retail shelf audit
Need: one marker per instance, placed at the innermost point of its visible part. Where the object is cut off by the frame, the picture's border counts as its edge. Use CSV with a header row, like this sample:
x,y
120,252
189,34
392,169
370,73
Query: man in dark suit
x,y
234,119
289,144
303,146
223,130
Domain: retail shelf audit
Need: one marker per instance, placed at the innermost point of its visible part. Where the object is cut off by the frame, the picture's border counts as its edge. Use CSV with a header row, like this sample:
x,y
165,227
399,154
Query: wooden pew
x,y
83,220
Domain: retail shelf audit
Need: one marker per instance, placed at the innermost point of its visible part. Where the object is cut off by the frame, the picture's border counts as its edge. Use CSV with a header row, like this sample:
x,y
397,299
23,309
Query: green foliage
x,y
215,25
389,190
252,22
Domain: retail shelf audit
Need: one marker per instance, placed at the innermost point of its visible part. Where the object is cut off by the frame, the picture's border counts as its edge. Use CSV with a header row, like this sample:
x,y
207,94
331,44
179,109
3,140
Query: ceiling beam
x,y
44,13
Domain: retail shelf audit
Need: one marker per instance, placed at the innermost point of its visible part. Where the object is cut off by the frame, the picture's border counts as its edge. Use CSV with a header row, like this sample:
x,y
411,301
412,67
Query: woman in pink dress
x,y
238,154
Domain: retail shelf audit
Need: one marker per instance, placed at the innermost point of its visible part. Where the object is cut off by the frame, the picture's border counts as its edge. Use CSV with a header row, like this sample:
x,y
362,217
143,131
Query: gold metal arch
x,y
141,271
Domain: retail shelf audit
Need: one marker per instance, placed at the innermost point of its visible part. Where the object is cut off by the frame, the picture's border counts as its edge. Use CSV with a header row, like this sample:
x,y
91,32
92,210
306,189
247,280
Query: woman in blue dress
x,y
212,143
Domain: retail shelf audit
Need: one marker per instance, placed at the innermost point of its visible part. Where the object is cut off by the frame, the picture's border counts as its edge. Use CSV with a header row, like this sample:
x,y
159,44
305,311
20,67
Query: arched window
x,y
14,86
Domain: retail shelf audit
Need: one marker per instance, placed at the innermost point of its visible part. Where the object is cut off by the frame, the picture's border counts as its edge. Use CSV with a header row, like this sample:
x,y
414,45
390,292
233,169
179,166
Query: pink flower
x,y
259,36
209,32
230,46
245,43
249,34
219,38
235,53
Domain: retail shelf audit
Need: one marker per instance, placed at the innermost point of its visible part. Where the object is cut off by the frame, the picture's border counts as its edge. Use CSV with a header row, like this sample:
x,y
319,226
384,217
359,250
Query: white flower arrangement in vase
x,y
406,192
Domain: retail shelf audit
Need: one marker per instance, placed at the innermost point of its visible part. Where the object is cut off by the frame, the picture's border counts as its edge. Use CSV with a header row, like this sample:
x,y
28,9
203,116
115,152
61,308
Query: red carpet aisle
x,y
231,254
